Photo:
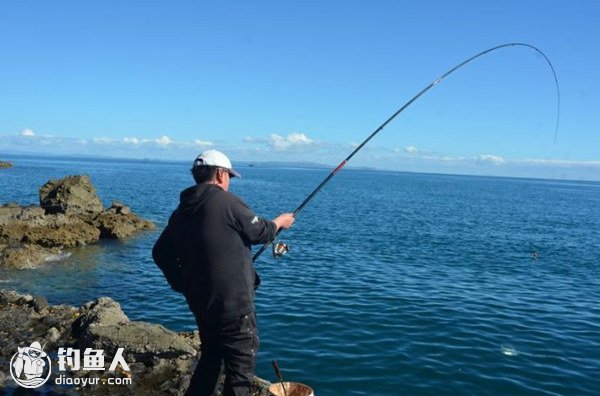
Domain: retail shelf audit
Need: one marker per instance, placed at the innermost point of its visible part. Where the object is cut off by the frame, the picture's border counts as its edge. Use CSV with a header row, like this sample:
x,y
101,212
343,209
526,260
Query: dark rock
x,y
72,195
161,361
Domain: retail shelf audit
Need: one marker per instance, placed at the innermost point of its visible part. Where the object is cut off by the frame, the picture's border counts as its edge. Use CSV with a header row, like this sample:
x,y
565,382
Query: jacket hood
x,y
194,196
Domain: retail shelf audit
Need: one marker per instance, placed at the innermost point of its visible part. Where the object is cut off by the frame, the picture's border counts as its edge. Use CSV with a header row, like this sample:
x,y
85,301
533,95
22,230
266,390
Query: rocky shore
x,y
70,214
6,164
160,361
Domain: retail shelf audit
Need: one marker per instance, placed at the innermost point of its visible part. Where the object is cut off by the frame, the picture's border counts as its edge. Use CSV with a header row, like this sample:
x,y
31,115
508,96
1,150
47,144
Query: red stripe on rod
x,y
339,167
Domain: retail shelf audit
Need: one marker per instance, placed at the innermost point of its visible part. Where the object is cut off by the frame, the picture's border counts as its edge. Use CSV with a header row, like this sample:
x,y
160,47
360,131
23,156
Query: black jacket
x,y
211,233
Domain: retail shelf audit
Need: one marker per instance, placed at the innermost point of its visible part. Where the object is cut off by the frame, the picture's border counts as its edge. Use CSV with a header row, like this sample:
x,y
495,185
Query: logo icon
x,y
30,366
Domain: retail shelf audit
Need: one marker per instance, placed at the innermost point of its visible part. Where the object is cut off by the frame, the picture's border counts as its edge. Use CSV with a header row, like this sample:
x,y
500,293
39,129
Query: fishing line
x,y
400,110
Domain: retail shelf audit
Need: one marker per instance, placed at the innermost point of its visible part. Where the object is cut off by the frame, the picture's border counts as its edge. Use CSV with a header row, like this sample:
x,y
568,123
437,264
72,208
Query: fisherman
x,y
211,233
30,361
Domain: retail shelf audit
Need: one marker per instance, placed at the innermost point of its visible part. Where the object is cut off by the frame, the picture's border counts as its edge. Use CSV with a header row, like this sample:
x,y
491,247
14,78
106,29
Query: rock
x,y
118,225
40,304
47,231
53,334
31,213
142,341
9,211
22,256
119,208
101,312
71,214
12,211
103,324
72,195
10,297
63,234
161,361
6,164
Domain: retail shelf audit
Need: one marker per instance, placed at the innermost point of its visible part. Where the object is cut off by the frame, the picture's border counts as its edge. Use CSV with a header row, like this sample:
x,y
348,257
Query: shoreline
x,y
160,361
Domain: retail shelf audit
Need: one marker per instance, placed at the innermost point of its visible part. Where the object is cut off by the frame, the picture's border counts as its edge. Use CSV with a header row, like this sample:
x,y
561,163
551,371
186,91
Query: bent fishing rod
x,y
282,249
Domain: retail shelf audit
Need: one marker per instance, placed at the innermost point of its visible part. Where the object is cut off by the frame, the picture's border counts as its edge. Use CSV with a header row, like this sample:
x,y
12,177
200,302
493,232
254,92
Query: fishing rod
x,y
280,249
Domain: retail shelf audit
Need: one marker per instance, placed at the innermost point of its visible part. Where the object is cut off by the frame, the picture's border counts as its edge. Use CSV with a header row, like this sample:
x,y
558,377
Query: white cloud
x,y
298,138
445,158
133,140
557,162
489,159
27,133
163,141
203,143
293,140
411,150
102,140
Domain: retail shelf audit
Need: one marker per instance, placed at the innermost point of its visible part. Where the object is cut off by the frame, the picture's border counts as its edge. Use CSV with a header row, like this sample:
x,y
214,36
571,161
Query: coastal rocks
x,y
48,231
119,222
5,164
157,358
105,325
160,361
24,256
70,214
72,195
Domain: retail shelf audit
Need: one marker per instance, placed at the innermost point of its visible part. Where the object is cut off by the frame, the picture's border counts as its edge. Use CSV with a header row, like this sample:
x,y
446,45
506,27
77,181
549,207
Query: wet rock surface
x,y
70,214
160,361
24,255
6,164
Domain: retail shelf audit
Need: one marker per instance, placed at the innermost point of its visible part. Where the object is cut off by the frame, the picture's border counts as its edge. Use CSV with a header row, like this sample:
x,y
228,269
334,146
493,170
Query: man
x,y
210,235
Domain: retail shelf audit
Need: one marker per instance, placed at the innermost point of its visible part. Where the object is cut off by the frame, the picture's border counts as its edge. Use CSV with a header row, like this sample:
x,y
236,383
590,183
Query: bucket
x,y
292,389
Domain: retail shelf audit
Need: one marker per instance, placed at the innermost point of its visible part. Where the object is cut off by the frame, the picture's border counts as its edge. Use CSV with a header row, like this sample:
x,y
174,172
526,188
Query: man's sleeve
x,y
255,229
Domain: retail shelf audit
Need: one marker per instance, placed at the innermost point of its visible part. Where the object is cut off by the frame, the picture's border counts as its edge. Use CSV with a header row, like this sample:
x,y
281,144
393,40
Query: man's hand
x,y
284,220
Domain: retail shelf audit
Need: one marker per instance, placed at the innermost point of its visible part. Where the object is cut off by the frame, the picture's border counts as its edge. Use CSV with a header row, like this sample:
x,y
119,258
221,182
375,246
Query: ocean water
x,y
395,284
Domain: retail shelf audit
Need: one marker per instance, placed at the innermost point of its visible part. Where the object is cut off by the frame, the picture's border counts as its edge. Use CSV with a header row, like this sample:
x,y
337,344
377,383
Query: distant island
x,y
6,164
297,164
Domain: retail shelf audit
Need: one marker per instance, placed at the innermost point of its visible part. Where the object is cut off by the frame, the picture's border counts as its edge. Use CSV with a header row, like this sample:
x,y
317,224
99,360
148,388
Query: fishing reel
x,y
280,249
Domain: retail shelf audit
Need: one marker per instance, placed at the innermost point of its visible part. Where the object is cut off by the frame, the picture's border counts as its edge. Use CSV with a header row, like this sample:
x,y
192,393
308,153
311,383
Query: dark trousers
x,y
233,344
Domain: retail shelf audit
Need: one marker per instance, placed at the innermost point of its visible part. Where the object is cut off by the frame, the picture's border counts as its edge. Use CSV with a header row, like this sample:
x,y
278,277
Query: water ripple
x,y
395,283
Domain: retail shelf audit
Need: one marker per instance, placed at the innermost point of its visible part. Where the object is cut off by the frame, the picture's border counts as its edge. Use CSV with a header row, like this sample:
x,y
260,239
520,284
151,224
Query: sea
x,y
394,284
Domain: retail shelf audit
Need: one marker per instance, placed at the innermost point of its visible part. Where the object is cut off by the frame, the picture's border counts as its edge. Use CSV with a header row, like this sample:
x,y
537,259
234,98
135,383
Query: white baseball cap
x,y
217,159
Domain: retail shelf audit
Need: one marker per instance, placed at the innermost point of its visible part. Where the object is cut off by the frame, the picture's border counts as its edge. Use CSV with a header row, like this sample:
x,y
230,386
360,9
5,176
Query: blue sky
x,y
305,81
